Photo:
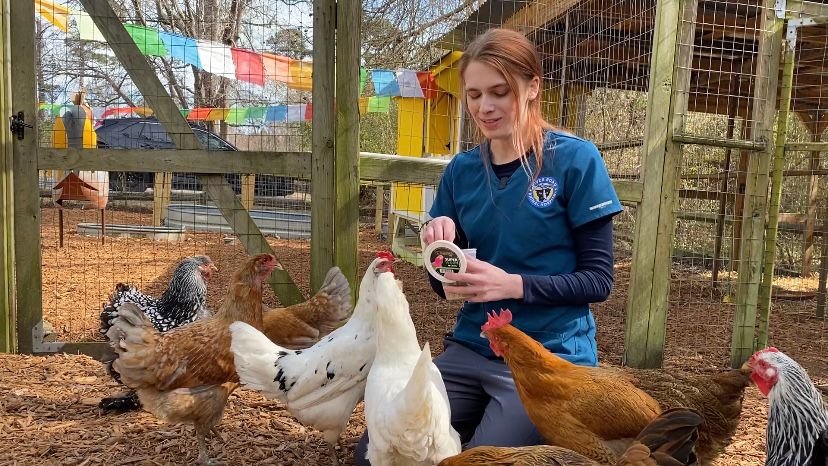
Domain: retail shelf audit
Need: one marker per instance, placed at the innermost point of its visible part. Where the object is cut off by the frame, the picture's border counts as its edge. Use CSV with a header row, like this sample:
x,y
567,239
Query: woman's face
x,y
491,102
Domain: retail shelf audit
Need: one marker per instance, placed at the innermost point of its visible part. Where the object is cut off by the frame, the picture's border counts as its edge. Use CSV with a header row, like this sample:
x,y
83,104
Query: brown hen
x,y
597,411
667,441
302,325
186,375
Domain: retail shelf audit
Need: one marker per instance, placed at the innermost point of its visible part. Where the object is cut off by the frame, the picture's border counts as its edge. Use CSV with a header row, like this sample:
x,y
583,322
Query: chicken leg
x,y
203,456
332,439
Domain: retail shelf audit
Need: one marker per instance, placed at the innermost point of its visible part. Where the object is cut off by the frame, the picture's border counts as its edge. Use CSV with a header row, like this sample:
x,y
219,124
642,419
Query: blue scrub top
x,y
528,230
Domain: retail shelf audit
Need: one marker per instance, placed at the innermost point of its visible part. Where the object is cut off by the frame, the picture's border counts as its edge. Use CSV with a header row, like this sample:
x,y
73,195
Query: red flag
x,y
428,84
249,66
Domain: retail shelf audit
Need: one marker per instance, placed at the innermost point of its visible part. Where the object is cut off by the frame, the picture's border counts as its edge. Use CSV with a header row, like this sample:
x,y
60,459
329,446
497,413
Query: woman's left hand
x,y
485,282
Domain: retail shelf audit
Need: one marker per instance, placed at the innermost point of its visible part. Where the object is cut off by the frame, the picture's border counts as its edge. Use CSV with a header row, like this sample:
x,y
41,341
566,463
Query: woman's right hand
x,y
439,228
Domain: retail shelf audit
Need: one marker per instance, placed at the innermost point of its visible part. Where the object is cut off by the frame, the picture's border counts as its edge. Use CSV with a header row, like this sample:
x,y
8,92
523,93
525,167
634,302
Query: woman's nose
x,y
486,106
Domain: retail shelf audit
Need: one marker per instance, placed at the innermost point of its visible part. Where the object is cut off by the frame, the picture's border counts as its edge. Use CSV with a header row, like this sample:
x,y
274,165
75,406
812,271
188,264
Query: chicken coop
x,y
277,128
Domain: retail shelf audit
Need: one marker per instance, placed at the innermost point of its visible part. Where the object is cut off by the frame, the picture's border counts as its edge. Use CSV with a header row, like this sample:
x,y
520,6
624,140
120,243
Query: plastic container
x,y
441,257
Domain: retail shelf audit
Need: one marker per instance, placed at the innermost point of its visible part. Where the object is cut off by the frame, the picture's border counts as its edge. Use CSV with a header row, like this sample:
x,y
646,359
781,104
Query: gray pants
x,y
485,407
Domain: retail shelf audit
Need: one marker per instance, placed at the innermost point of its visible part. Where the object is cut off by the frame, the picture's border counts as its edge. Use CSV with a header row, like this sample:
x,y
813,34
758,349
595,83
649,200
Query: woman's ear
x,y
534,88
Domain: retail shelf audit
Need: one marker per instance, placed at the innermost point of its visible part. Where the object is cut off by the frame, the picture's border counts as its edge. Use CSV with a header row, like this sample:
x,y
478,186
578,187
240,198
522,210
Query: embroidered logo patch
x,y
543,191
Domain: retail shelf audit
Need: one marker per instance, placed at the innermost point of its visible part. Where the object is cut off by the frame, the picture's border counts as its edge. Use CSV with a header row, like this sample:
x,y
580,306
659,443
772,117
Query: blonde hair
x,y
514,57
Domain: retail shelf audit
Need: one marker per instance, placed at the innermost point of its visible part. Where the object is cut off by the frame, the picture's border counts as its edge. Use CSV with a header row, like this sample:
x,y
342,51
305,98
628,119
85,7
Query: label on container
x,y
441,257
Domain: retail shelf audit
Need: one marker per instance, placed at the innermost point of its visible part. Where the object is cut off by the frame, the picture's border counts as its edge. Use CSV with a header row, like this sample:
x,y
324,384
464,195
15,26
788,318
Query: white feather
x,y
322,384
406,406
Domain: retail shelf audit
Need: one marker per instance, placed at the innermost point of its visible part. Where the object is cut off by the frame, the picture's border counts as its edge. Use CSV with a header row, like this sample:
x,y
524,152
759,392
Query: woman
x,y
542,227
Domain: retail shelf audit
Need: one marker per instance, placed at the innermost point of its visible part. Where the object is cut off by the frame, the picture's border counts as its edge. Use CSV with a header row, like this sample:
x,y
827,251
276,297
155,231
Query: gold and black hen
x,y
182,303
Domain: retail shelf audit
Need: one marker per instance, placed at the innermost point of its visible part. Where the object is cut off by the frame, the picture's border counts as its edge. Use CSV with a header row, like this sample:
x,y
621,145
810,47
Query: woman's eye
x,y
473,95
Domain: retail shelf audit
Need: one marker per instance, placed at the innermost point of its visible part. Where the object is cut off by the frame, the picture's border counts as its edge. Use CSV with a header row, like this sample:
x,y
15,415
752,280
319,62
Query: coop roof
x,y
608,43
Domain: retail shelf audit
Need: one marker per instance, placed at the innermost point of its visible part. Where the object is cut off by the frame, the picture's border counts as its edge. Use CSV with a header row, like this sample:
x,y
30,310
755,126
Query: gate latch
x,y
18,125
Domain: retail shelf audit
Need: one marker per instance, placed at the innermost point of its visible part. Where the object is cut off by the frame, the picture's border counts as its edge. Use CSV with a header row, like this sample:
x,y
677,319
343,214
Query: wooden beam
x,y
161,190
756,185
180,132
804,8
26,193
379,207
187,161
720,216
248,191
323,174
775,201
536,15
7,282
720,142
815,128
650,274
346,170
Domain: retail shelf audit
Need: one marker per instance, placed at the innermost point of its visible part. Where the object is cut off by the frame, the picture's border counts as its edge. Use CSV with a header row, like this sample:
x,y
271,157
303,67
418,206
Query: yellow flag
x,y
54,13
300,75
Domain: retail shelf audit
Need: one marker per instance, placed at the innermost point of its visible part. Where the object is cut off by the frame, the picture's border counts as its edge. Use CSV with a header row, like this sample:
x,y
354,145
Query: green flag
x,y
147,40
378,104
237,116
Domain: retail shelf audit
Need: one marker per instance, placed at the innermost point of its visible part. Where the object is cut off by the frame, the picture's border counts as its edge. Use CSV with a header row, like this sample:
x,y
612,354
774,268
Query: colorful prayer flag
x,y
181,48
147,40
249,66
385,83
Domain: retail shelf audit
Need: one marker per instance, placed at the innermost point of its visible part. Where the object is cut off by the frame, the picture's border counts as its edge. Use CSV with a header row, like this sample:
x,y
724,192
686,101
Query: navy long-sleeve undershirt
x,y
590,282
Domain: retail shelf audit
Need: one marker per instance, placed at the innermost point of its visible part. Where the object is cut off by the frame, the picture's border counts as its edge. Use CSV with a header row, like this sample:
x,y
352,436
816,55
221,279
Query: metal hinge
x,y
18,125
39,345
781,8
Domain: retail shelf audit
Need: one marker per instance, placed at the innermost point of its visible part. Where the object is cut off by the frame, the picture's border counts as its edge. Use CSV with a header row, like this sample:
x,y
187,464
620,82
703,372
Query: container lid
x,y
442,256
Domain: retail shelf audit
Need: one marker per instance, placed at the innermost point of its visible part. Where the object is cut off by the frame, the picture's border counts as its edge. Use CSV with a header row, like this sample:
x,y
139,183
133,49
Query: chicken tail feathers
x,y
133,338
669,440
121,403
336,291
253,355
417,392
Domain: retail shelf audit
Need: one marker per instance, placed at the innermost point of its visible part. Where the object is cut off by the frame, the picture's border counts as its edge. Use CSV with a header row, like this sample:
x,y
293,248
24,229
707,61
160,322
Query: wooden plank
x,y
803,8
720,142
323,143
346,169
807,146
26,193
775,202
161,188
379,207
372,166
188,161
168,114
93,349
248,191
649,278
538,14
720,217
813,199
7,284
756,185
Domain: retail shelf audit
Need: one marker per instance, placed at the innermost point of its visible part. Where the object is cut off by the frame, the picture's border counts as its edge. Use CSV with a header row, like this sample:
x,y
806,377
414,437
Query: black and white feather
x,y
182,302
797,418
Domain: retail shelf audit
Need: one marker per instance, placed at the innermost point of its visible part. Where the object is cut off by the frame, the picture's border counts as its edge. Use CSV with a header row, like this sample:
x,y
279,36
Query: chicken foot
x,y
334,458
203,456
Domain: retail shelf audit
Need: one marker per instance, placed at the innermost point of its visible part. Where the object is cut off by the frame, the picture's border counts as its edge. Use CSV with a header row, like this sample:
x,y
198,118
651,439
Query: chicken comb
x,y
769,349
497,321
385,255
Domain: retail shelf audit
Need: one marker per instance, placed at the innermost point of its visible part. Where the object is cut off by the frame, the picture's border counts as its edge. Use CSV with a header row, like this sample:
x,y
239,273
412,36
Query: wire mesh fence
x,y
241,78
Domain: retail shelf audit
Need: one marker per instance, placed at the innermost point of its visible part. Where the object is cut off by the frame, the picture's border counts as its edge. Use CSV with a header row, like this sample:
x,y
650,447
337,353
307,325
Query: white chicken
x,y
322,384
406,406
